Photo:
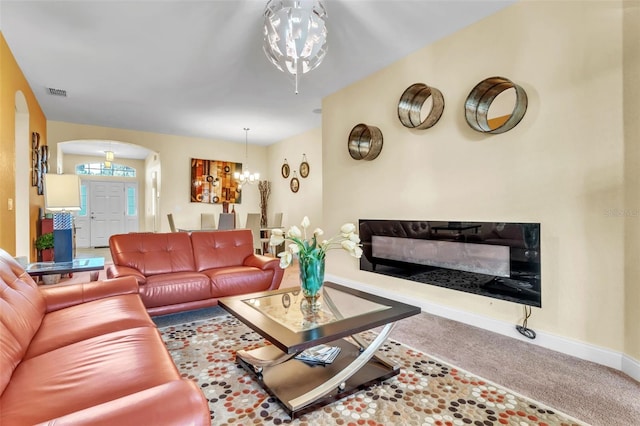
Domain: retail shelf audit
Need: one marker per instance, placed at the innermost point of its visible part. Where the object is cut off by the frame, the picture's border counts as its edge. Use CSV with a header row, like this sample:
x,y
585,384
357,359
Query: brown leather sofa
x,y
86,354
181,271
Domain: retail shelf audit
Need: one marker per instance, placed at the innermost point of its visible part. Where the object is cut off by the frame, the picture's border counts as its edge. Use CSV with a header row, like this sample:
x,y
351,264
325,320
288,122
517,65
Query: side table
x,y
90,264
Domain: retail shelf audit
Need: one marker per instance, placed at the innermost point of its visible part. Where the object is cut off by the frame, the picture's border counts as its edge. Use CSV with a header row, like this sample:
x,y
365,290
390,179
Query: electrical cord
x,y
523,329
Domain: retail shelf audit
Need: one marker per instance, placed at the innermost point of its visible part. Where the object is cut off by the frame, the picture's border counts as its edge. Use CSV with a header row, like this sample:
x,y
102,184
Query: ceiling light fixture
x,y
246,176
295,35
108,158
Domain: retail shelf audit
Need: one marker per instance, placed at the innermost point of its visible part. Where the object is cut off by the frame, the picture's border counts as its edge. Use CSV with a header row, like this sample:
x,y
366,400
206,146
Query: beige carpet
x,y
427,391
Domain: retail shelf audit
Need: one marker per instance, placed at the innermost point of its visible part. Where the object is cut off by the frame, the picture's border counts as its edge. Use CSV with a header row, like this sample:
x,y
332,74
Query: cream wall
x,y
631,61
308,200
174,155
561,166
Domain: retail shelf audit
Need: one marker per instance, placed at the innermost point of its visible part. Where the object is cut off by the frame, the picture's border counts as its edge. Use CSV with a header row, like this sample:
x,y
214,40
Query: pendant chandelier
x,y
108,159
295,35
246,176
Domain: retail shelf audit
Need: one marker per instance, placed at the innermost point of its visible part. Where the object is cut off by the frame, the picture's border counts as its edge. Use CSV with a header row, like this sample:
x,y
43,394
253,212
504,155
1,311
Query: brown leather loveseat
x,y
86,354
181,271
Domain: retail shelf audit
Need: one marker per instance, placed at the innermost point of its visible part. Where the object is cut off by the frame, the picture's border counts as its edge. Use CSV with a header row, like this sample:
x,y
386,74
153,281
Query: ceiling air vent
x,y
56,92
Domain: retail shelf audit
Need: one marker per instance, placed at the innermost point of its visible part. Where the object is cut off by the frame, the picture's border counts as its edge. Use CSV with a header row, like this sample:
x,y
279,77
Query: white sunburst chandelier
x,y
295,35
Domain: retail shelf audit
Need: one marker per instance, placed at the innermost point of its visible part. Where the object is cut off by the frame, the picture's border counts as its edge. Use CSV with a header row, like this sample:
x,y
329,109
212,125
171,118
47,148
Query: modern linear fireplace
x,y
493,259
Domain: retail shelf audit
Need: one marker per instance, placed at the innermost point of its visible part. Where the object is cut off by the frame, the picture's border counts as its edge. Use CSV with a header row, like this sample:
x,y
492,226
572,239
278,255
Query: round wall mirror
x,y
420,106
365,142
495,105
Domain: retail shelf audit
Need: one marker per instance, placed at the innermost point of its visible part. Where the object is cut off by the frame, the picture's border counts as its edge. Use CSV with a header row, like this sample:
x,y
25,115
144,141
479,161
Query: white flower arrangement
x,y
300,246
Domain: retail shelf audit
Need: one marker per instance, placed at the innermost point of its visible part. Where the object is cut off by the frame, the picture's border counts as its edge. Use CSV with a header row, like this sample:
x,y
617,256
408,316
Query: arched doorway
x,y
116,188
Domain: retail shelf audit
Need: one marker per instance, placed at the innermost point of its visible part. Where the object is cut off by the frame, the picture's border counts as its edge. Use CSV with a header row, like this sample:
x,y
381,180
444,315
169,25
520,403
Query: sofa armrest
x,y
115,271
267,263
261,262
62,296
179,402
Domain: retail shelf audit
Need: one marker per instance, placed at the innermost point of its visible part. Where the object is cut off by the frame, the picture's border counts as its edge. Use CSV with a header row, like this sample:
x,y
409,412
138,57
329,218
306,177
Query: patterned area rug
x,y
426,392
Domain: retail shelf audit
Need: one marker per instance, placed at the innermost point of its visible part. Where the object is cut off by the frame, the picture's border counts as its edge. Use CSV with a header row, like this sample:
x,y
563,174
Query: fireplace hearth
x,y
493,259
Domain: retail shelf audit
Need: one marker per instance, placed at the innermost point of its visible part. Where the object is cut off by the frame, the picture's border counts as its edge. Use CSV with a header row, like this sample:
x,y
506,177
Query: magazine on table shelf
x,y
321,354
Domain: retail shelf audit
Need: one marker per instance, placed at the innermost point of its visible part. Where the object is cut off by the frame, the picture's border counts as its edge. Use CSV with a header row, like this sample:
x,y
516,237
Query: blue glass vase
x,y
311,279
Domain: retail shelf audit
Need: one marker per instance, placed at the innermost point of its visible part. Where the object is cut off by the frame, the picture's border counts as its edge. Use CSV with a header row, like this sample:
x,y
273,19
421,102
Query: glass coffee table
x,y
282,318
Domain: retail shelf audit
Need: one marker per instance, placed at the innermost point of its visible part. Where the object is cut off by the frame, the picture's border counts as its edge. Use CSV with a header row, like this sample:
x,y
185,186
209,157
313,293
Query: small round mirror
x,y
420,106
495,105
365,142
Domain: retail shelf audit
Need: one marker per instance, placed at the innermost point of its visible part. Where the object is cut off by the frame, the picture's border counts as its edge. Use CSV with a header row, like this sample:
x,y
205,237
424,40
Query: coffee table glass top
x,y
288,308
76,265
277,315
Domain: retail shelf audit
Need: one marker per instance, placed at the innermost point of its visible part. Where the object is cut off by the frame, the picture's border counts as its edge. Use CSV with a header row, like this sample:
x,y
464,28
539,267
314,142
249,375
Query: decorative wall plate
x,y
285,169
479,101
295,183
304,167
411,103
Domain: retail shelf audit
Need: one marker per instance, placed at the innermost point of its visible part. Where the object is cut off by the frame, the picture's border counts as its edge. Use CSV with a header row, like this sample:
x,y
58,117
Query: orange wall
x,y
11,81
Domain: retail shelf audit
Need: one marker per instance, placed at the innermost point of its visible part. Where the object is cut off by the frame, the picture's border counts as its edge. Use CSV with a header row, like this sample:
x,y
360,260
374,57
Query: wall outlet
x,y
10,204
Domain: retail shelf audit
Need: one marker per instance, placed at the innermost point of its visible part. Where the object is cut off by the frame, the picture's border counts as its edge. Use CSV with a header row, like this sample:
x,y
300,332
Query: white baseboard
x,y
568,346
631,367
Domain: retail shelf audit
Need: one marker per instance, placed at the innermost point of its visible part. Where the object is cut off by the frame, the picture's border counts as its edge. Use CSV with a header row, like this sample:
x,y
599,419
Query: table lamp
x,y
61,196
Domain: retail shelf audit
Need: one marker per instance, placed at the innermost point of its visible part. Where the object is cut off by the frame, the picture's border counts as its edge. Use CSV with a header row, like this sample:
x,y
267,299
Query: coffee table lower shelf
x,y
290,380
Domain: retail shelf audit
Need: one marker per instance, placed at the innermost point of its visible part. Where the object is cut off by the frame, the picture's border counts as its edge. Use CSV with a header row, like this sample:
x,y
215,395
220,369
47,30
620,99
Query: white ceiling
x,y
196,68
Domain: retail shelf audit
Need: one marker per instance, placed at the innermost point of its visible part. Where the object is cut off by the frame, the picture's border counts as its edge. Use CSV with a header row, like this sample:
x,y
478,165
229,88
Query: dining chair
x,y
277,220
172,225
253,223
207,221
226,221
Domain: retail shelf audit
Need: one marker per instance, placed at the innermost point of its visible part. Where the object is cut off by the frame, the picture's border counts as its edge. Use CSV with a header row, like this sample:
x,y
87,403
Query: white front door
x,y
107,208
107,211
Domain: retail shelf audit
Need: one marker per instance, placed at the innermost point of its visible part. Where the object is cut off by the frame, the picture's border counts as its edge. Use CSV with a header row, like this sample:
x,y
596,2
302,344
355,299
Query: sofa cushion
x,y
87,320
21,311
85,374
178,402
152,253
235,280
219,249
64,296
172,288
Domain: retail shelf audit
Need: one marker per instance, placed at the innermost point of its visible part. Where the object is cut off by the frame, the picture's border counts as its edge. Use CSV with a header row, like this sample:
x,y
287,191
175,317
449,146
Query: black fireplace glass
x,y
494,259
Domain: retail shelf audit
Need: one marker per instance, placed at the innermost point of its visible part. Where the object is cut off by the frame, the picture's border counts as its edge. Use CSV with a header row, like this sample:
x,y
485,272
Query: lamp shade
x,y
61,192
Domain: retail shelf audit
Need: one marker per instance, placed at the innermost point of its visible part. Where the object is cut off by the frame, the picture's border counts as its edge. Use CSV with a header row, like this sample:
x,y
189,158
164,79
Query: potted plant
x,y
44,245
